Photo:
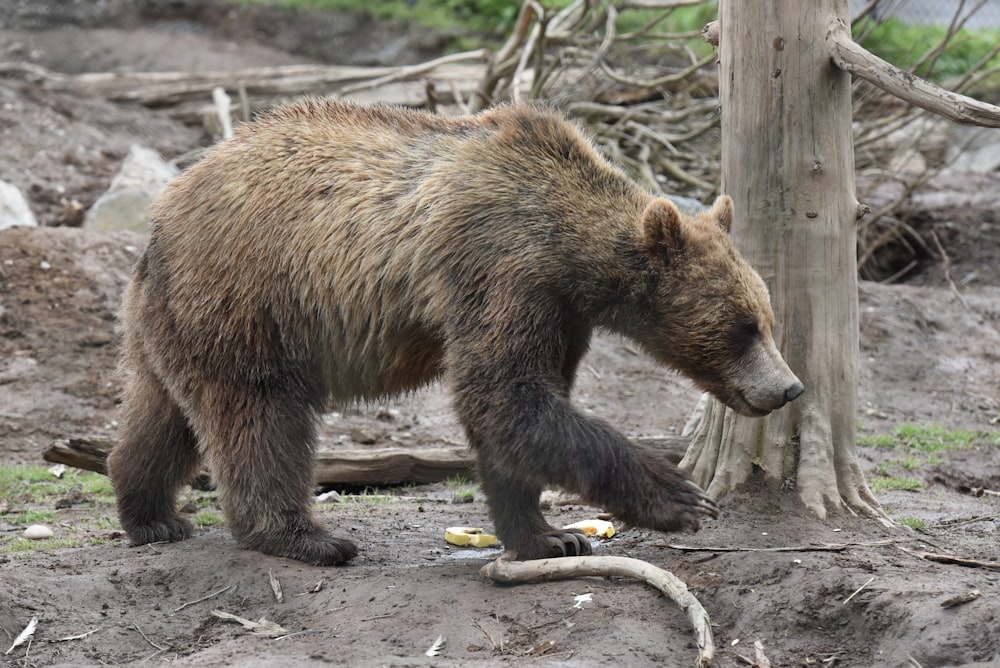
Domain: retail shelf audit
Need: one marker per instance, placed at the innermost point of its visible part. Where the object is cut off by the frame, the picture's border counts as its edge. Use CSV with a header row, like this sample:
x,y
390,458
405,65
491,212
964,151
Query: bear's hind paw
x,y
165,531
312,548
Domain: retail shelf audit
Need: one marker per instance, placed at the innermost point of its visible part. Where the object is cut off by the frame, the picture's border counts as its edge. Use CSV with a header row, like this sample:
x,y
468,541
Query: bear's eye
x,y
745,333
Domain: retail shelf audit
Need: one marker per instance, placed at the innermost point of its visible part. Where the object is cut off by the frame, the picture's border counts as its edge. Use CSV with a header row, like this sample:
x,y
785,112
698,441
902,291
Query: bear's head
x,y
710,314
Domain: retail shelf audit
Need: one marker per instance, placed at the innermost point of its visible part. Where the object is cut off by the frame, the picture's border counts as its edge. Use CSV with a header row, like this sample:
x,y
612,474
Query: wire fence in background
x,y
935,12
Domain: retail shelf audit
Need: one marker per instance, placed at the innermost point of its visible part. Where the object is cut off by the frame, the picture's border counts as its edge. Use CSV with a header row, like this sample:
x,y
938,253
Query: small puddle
x,y
478,553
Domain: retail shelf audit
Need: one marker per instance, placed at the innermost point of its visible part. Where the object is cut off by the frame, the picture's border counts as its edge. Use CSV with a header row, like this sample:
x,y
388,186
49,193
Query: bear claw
x,y
706,504
560,543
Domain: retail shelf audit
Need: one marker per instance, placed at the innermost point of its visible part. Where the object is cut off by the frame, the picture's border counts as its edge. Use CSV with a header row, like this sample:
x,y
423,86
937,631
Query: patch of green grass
x,y
880,484
208,518
877,441
488,17
493,20
32,494
105,523
457,481
921,445
23,546
369,495
927,438
98,486
202,499
34,484
14,475
903,45
35,517
932,438
913,523
463,489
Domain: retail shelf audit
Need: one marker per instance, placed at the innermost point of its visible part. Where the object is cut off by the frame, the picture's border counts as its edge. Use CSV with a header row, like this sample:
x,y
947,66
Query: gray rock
x,y
688,205
125,205
978,150
14,210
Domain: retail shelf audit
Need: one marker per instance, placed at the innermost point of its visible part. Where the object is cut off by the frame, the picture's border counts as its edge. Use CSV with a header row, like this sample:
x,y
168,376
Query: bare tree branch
x,y
850,57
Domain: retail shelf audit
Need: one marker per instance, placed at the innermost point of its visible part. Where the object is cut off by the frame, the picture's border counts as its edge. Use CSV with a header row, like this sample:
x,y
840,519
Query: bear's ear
x,y
722,212
661,227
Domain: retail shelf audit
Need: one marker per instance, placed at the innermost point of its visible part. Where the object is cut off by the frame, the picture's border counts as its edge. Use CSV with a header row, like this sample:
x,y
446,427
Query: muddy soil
x,y
840,592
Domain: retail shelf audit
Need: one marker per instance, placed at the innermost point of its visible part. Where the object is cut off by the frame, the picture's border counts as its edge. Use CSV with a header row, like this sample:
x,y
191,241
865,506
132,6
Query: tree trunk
x,y
788,162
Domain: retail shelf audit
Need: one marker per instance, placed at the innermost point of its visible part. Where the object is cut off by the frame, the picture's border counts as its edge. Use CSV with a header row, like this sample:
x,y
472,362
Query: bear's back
x,y
350,236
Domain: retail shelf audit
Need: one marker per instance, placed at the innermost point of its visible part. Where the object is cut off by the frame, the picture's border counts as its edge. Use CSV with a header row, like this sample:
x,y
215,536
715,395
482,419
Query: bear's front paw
x,y
557,543
697,504
682,506
706,505
665,499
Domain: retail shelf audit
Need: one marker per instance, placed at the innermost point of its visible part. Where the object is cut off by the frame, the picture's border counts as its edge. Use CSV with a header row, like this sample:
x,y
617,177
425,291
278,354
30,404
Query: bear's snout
x,y
764,382
794,391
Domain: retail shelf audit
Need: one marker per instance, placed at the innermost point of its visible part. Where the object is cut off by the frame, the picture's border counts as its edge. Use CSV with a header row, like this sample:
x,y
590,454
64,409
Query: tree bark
x,y
788,162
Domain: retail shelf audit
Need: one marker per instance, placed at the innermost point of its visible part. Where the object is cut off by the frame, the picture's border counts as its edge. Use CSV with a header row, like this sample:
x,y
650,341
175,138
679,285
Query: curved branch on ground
x,y
505,571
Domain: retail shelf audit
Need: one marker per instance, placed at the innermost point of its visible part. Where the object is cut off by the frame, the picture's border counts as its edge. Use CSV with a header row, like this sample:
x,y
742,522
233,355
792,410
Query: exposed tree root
x,y
506,571
798,448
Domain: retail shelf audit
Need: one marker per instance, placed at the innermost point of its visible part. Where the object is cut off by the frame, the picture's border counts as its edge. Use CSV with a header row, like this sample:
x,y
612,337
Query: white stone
x,y
14,209
38,532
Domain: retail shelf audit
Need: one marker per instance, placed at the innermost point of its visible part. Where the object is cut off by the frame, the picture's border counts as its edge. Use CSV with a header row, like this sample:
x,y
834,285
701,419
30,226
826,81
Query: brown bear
x,y
339,252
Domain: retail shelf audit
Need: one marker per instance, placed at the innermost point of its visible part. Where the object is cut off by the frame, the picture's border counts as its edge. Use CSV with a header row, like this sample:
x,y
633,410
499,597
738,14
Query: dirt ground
x,y
927,358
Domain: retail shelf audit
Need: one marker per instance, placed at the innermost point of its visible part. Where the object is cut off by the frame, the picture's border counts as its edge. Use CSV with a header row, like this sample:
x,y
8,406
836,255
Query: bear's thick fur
x,y
332,251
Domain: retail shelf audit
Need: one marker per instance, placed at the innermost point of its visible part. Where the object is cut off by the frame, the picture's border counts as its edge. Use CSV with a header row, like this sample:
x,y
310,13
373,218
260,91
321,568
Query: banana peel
x,y
469,537
476,537
598,528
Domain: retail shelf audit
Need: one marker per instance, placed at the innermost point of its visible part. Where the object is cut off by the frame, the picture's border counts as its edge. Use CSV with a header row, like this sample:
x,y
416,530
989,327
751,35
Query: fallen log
x,y
161,89
368,466
345,466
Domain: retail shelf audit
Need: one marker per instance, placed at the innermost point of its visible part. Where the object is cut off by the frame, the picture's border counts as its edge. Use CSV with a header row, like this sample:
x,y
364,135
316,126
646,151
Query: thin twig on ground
x,y
146,638
205,598
951,559
826,547
946,265
858,590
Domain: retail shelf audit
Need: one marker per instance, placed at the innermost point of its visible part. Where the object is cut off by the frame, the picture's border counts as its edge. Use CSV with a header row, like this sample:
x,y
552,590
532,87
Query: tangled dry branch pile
x,y
900,147
650,98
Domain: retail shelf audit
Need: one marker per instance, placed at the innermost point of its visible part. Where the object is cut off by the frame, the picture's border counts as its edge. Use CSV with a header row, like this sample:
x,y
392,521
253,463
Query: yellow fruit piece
x,y
469,537
599,528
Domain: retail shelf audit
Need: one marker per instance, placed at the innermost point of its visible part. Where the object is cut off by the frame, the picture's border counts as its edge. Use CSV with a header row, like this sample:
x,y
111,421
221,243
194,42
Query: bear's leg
x,y
260,445
521,423
155,456
519,521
